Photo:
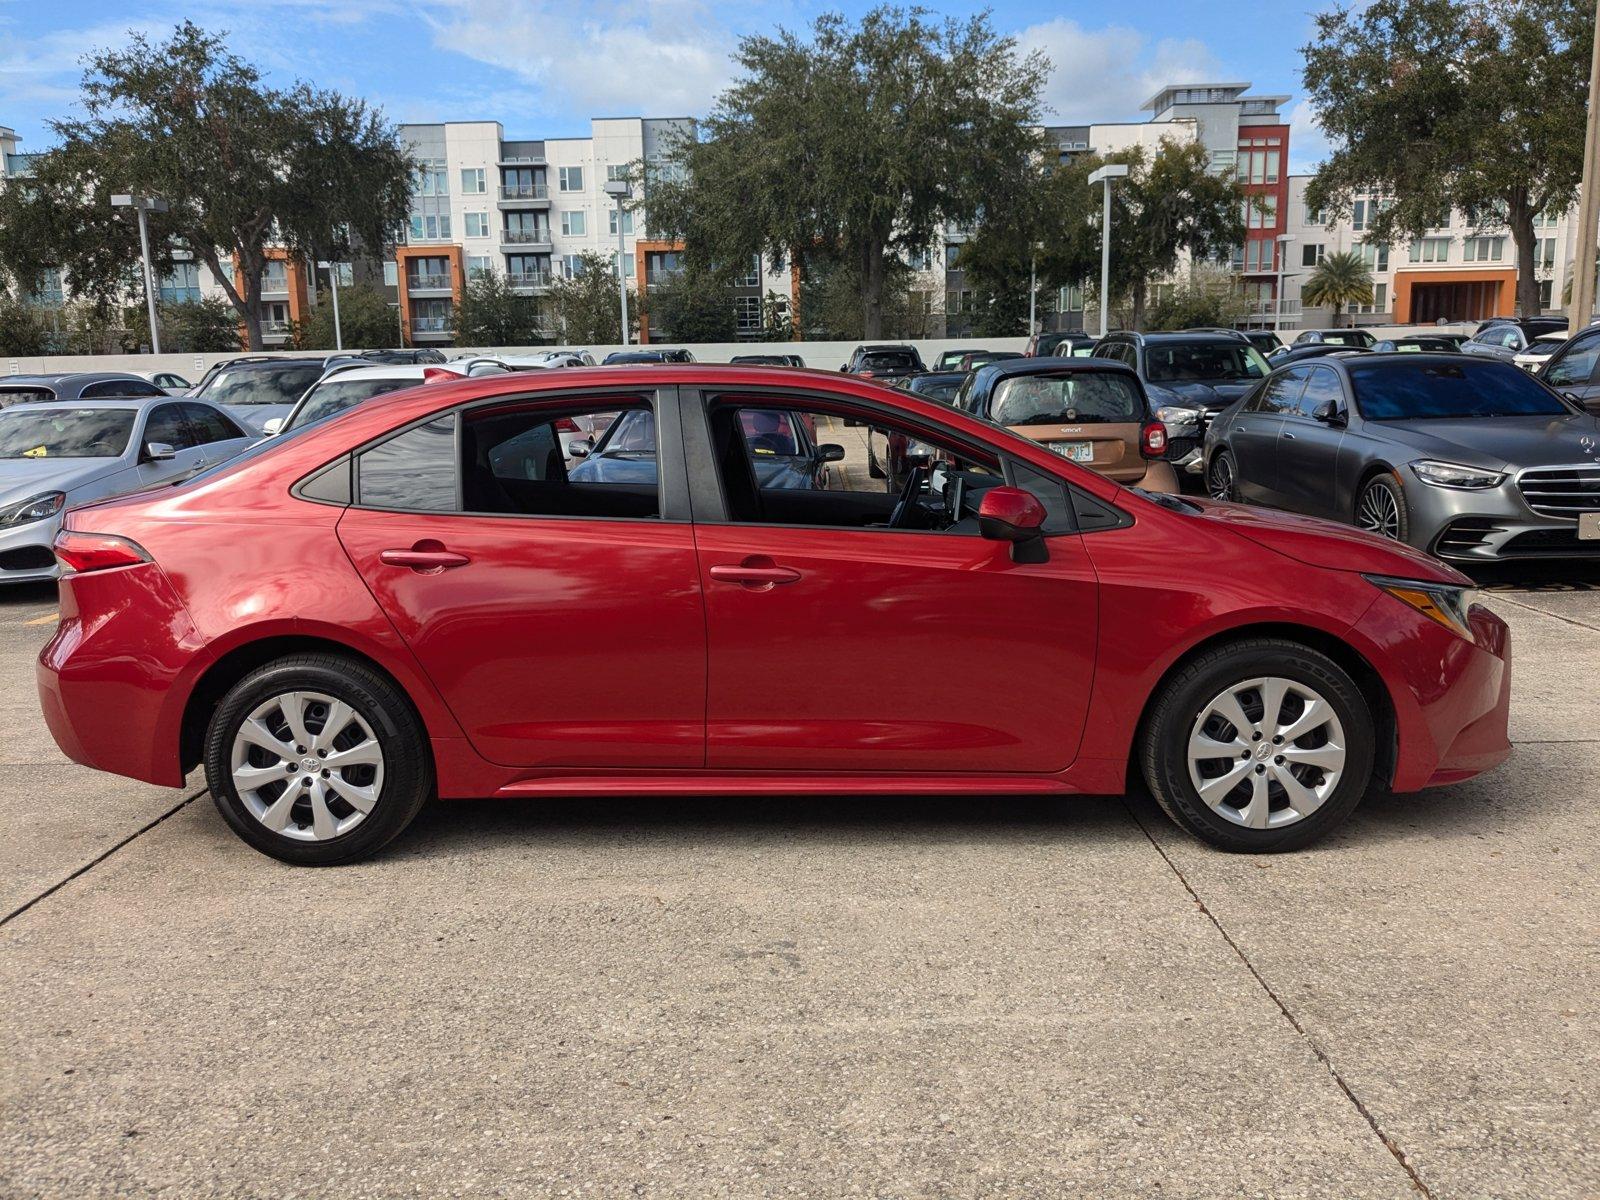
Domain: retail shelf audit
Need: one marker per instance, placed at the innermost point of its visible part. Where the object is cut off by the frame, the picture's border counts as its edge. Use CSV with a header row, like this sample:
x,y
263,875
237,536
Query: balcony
x,y
430,324
525,237
429,282
274,285
522,160
529,280
274,327
661,274
524,193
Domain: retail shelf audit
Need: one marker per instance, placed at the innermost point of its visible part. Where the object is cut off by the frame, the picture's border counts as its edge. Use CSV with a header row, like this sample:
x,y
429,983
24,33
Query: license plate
x,y
1082,452
1589,527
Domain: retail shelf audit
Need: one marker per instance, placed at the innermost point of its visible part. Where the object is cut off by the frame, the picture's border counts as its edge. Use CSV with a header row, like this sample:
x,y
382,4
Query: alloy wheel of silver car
x,y
307,766
1266,752
1379,512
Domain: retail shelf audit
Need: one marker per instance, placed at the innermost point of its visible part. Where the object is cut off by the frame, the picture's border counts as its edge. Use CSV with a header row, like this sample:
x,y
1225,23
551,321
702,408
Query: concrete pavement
x,y
910,997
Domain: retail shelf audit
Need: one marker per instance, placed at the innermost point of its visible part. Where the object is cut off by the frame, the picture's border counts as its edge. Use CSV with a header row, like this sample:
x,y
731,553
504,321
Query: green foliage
x,y
199,326
777,320
830,303
493,313
853,145
1339,279
585,308
691,306
1211,296
1170,204
1442,104
241,164
367,321
23,330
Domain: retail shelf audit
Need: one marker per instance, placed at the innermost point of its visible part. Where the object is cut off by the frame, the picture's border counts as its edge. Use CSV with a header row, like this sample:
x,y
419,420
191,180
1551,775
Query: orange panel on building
x,y
405,255
1425,296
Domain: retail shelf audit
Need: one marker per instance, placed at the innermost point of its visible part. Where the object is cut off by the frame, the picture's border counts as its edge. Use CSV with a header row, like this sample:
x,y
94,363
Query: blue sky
x,y
543,68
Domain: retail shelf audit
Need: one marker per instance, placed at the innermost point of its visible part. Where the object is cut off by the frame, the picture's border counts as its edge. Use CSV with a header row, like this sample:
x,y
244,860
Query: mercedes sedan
x,y
1469,458
387,606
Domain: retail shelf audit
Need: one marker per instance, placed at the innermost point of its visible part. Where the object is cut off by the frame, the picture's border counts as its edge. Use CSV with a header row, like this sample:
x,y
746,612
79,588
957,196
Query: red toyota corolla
x,y
427,595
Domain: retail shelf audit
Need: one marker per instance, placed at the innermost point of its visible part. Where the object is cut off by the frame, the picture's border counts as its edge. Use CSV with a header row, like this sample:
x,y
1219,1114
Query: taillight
x,y
865,374
84,552
1153,440
566,425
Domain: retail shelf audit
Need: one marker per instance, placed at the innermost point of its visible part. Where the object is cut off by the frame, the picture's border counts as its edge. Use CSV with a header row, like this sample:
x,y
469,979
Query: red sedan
x,y
414,598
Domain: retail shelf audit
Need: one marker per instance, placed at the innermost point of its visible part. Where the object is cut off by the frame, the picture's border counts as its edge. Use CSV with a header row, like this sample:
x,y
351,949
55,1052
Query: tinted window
x,y
339,394
211,424
20,395
1576,367
416,470
1281,392
1399,391
518,461
888,360
65,432
1090,397
942,390
261,385
120,387
166,424
1322,387
1203,362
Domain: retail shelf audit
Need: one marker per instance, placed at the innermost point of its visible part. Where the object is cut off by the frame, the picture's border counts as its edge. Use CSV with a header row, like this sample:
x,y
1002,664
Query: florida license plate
x,y
1083,452
1589,527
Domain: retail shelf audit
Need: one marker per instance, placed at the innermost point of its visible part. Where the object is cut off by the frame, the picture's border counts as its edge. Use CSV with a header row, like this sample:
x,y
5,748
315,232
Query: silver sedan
x,y
55,455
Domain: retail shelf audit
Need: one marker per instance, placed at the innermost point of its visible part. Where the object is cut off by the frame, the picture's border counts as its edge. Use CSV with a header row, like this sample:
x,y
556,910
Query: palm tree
x,y
1339,279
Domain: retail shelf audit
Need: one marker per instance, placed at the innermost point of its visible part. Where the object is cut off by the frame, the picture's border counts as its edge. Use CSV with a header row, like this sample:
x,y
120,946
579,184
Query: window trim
x,y
672,485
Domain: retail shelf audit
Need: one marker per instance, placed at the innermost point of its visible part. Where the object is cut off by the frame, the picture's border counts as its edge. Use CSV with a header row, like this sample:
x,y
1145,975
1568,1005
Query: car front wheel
x,y
317,759
1261,745
1381,509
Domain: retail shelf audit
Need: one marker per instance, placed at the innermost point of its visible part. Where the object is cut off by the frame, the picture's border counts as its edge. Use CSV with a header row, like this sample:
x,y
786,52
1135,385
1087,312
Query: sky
x,y
542,69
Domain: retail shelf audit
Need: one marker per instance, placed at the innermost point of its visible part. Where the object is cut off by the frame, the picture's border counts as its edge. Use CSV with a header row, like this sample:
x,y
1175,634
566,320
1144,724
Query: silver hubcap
x,y
1266,753
1222,478
307,766
1379,513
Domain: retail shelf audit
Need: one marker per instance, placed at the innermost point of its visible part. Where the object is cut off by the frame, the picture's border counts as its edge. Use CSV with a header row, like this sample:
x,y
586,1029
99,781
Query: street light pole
x,y
619,190
1583,281
1033,291
333,285
141,205
1105,175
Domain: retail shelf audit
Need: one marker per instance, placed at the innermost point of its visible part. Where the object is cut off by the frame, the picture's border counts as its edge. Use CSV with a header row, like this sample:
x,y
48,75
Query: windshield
x,y
889,360
65,432
632,436
339,394
1405,391
1348,337
1204,362
1090,397
943,390
256,385
621,357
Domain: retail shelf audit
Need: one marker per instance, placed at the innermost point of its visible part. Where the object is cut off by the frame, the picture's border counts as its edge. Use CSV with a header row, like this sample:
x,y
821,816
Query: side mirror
x,y
1328,413
1574,397
829,452
272,426
581,448
158,452
1009,514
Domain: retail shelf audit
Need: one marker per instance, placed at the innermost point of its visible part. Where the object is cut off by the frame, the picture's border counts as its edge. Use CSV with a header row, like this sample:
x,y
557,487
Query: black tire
x,y
408,779
1374,490
1221,462
1163,748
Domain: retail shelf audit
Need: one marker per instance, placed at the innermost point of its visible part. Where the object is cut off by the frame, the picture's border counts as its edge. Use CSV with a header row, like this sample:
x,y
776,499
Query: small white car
x,y
1538,351
349,384
169,382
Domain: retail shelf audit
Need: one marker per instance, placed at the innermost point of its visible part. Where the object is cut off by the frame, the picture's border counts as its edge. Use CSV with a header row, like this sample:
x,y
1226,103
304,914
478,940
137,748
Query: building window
x,y
616,173
431,179
478,264
957,301
747,313
1314,216
574,223
952,257
627,222
181,286
1374,255
1544,253
1430,250
430,227
1545,290
391,274
473,181
1261,212
1071,299
1311,254
629,267
570,179
477,224
752,274
1380,300
1483,249
571,265
275,276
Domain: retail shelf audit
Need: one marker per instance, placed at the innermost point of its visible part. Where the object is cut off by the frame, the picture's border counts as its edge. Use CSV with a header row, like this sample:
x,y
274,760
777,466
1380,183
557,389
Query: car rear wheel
x,y
1262,745
1381,509
317,759
1220,481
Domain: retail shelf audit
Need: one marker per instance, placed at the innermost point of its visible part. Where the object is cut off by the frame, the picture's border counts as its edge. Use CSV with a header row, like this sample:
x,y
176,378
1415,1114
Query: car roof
x,y
390,371
1051,365
73,377
304,360
1175,335
128,402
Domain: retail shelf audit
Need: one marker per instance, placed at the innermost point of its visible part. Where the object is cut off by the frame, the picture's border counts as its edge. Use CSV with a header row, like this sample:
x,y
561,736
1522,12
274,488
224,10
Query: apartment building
x,y
1462,270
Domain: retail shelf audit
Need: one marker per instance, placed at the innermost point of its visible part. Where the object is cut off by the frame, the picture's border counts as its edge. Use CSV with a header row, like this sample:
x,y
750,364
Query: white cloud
x,y
1106,74
1308,145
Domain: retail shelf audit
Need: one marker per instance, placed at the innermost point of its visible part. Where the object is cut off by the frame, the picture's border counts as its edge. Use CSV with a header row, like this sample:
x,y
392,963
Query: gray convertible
x,y
1470,459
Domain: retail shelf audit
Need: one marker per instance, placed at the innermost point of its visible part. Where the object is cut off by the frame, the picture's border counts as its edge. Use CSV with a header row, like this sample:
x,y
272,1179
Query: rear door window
x,y
1322,387
212,424
167,426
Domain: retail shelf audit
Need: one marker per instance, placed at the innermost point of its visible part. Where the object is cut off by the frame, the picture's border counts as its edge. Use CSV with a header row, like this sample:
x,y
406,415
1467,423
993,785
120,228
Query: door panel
x,y
894,651
1253,436
1308,449
567,643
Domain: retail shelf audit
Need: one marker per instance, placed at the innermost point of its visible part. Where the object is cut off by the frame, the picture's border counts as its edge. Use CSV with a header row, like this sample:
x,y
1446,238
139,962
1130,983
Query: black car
x,y
949,360
1416,343
1190,378
1293,354
1574,369
935,385
1506,337
884,362
646,356
259,387
767,360
1073,343
1359,338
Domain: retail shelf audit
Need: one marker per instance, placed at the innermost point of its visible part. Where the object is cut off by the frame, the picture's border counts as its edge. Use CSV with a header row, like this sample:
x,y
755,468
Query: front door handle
x,y
756,574
1288,435
424,557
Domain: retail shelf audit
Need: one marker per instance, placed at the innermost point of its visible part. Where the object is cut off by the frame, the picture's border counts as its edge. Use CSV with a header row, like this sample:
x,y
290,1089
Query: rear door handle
x,y
754,576
1288,435
424,559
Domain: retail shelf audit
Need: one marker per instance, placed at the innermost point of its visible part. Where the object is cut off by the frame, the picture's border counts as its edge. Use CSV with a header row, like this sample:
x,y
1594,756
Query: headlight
x,y
1453,475
35,508
1444,603
1171,414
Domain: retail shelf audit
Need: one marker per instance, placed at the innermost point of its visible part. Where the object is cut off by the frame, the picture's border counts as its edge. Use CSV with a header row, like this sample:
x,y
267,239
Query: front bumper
x,y
27,553
1496,525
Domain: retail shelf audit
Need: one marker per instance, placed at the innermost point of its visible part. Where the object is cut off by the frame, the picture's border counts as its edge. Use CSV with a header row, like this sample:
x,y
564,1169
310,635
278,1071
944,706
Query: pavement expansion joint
x,y
100,858
1366,1114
